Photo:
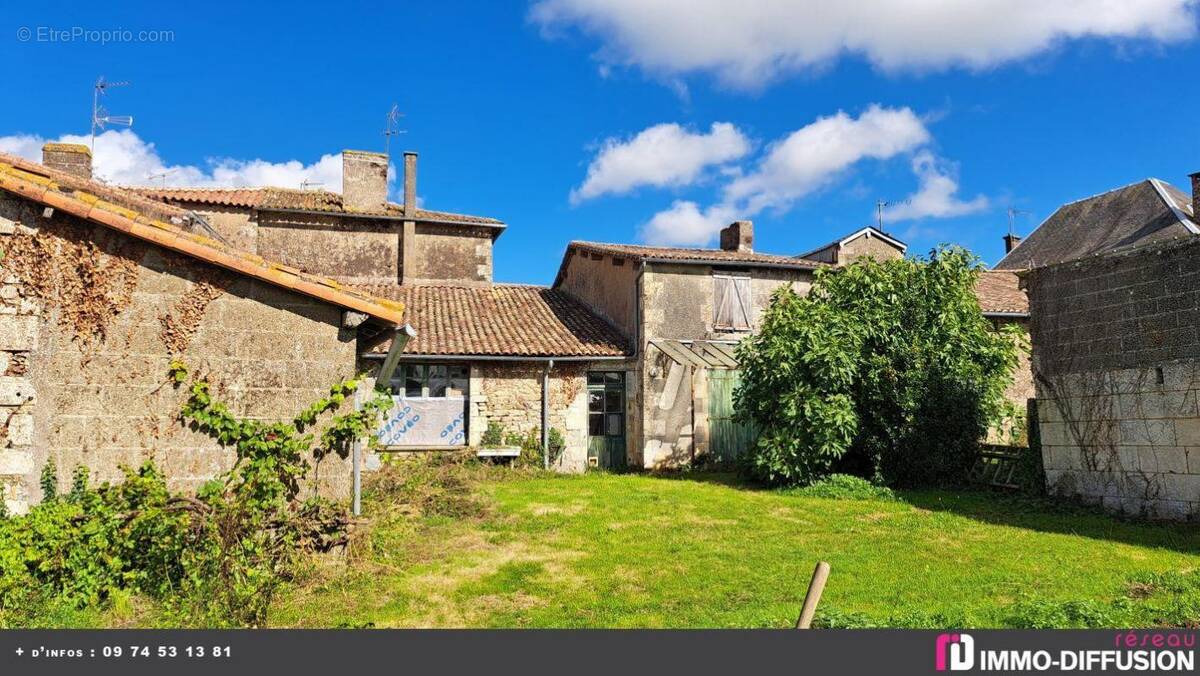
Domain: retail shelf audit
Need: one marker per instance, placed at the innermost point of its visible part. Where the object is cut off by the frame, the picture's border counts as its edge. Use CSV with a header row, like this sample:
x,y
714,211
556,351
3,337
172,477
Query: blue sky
x,y
594,119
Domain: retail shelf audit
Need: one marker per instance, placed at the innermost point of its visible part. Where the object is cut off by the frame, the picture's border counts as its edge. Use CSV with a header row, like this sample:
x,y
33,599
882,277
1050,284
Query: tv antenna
x,y
162,175
100,116
306,184
883,204
391,128
1013,212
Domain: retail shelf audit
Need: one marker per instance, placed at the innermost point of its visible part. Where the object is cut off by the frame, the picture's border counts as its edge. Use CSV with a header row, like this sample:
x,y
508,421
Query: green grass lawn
x,y
698,550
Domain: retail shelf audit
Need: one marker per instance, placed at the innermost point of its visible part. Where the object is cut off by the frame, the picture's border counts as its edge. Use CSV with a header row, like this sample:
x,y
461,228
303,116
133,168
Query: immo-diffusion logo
x,y
955,651
1131,652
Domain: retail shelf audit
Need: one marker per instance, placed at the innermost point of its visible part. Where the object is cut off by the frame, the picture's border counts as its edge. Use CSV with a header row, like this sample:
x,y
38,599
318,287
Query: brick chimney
x,y
410,179
364,180
738,236
1011,241
1195,195
73,158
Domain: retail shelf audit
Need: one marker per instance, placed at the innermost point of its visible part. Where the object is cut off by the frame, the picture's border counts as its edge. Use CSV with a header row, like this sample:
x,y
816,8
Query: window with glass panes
x,y
606,404
433,381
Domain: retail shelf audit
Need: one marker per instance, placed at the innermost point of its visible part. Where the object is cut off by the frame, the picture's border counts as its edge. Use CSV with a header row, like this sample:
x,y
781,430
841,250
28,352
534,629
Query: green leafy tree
x,y
887,370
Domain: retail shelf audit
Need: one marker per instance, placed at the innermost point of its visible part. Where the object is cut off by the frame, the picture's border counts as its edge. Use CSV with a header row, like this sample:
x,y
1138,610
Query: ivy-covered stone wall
x,y
89,321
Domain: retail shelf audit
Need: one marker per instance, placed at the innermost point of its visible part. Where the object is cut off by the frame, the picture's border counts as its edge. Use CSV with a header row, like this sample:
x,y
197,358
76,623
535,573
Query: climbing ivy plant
x,y
212,559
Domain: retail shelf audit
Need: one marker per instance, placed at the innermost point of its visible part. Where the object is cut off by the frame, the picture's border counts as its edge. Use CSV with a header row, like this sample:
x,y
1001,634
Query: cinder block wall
x,y
89,322
1115,359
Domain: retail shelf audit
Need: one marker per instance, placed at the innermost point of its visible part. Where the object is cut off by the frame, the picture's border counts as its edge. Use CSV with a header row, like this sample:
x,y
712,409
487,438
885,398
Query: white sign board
x,y
425,422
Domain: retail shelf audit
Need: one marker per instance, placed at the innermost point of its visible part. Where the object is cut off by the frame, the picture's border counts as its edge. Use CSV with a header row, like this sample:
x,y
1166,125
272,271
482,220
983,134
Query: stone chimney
x,y
1011,241
1195,195
738,236
73,158
364,180
410,180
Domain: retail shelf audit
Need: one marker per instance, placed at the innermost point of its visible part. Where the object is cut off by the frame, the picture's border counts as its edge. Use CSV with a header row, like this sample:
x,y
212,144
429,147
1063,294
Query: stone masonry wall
x,y
89,323
450,253
1117,368
511,395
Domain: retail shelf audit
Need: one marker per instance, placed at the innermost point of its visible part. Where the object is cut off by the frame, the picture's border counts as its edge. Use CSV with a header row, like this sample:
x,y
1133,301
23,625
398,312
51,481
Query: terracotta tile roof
x,y
998,292
284,199
502,320
684,255
168,226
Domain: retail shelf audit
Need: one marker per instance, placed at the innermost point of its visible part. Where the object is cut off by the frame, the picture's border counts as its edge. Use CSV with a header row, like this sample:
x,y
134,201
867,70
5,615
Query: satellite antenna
x,y
391,128
880,206
100,116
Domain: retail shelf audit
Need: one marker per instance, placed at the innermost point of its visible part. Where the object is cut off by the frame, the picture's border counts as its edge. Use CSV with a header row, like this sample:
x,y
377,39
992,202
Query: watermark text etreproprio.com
x,y
95,36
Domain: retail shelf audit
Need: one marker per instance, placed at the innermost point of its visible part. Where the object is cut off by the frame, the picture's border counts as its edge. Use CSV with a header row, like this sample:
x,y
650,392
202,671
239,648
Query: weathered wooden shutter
x,y
723,297
742,301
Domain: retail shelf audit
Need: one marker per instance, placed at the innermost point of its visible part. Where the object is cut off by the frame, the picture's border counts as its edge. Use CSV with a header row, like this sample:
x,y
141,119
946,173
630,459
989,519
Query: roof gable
x,y
868,231
1131,216
164,225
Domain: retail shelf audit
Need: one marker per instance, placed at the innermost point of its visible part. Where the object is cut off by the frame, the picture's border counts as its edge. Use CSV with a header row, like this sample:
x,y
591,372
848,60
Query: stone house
x,y
483,354
102,288
682,311
1114,289
356,236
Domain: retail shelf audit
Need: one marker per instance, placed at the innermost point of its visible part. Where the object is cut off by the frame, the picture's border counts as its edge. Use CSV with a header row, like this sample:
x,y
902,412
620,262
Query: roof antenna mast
x,y
880,205
1013,212
391,128
100,116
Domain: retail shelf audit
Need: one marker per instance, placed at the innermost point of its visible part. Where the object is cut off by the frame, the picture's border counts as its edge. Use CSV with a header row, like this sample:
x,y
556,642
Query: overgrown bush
x,y
493,436
212,559
845,487
886,370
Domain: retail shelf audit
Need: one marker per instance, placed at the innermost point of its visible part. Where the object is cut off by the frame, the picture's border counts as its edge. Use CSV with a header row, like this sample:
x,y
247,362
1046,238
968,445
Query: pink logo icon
x,y
955,652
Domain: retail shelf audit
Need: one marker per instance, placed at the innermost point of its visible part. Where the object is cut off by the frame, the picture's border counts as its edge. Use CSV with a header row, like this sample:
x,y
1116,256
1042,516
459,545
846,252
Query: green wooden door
x,y
606,420
728,439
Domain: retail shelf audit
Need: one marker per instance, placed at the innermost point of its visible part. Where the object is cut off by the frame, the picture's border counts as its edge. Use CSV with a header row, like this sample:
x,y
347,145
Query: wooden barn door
x,y
728,438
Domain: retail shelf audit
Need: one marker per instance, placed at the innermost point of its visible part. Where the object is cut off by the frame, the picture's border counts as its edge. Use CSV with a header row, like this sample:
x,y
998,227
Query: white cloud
x,y
817,153
122,157
811,158
936,195
660,156
748,44
685,223
803,161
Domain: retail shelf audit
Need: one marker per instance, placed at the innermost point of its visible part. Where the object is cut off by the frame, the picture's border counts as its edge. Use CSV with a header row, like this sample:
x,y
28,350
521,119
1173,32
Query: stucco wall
x,y
678,299
99,316
678,304
351,250
235,224
607,285
450,253
1117,367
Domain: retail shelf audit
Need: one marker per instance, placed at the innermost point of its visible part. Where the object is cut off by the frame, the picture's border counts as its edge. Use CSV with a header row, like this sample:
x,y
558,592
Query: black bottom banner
x,y
724,652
